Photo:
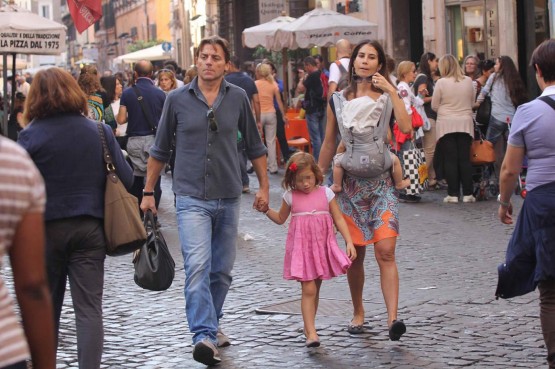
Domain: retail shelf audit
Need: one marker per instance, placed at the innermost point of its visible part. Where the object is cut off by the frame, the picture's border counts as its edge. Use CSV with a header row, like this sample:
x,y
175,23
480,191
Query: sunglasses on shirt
x,y
213,124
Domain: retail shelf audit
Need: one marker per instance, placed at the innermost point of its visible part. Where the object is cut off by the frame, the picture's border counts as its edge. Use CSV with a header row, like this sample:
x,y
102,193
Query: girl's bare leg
x,y
309,305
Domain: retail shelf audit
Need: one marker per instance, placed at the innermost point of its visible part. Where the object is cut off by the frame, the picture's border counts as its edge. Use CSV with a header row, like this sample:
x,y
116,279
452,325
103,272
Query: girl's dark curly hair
x,y
297,162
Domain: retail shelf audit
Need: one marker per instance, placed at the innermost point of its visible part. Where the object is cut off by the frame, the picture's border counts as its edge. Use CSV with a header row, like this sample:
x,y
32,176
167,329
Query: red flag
x,y
84,13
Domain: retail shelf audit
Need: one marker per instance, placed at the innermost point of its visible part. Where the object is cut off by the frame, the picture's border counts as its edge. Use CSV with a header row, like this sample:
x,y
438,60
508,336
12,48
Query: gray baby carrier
x,y
367,155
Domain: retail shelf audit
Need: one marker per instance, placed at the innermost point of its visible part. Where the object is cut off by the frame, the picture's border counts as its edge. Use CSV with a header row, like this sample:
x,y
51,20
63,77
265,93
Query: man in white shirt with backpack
x,y
339,76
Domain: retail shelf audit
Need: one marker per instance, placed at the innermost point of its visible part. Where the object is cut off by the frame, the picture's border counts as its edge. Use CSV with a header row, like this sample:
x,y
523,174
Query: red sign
x,y
84,13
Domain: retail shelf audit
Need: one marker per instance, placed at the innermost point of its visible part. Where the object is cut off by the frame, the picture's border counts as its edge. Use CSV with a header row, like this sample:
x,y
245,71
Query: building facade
x,y
407,28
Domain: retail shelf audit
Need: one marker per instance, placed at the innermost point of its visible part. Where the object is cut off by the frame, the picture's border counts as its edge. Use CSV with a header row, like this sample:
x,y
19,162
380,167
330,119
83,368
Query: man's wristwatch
x,y
145,193
502,203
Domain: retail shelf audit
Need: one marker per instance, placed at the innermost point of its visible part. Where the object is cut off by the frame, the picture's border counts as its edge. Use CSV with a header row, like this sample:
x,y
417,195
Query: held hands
x,y
505,214
261,201
351,251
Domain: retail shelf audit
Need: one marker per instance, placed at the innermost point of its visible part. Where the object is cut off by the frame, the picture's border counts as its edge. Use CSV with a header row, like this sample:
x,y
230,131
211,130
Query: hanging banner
x,y
84,13
270,9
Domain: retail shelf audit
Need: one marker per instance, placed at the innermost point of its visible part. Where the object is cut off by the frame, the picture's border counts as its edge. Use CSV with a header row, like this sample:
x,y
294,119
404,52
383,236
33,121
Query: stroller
x,y
484,179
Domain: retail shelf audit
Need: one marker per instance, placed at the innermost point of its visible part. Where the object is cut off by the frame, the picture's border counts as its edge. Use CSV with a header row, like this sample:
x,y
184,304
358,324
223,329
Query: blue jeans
x,y
496,129
208,236
317,130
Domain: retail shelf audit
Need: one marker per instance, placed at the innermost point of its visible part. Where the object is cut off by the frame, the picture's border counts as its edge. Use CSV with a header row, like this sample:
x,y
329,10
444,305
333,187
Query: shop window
x,y
454,32
474,30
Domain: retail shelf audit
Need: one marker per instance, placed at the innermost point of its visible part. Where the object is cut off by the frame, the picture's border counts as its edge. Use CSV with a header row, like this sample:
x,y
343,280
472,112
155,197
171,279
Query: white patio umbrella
x,y
321,27
261,34
152,53
24,32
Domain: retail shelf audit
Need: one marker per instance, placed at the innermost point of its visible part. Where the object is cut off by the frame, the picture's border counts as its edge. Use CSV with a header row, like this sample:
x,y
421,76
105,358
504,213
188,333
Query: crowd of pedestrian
x,y
208,123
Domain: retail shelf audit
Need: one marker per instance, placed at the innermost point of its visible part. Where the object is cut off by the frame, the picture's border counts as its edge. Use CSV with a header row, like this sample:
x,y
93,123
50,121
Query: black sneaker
x,y
206,353
403,197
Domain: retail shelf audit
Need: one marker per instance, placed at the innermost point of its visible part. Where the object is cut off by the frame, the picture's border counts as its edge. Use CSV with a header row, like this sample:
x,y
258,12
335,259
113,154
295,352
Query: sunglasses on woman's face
x,y
359,79
213,124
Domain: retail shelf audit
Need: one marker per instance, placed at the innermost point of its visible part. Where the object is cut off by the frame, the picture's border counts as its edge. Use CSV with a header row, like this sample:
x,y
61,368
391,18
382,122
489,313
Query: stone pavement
x,y
447,257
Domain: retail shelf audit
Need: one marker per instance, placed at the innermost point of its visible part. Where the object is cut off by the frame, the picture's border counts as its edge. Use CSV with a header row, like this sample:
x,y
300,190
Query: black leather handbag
x,y
154,265
484,111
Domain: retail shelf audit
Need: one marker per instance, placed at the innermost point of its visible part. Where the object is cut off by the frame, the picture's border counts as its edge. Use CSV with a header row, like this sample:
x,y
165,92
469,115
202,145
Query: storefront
x,y
490,28
472,28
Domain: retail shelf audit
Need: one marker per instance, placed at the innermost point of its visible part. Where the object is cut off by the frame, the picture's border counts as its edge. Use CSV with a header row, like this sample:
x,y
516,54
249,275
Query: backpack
x,y
366,153
325,85
344,79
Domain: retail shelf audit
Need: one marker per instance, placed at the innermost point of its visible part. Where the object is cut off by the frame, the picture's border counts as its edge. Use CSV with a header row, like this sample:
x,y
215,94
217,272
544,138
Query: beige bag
x,y
123,227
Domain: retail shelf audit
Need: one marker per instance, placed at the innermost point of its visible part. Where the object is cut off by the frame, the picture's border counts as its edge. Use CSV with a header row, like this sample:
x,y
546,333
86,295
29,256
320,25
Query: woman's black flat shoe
x,y
396,330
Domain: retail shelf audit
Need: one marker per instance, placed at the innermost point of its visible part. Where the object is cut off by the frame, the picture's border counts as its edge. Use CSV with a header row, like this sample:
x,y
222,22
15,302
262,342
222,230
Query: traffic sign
x,y
166,46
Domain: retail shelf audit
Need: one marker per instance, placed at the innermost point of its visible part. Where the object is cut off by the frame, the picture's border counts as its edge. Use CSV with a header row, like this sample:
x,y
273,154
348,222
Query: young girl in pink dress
x,y
311,252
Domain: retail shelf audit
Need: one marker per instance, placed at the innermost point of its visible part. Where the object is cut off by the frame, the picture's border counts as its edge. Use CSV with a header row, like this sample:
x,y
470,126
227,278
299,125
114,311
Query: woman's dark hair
x,y
509,74
382,63
486,65
109,85
424,65
544,57
54,91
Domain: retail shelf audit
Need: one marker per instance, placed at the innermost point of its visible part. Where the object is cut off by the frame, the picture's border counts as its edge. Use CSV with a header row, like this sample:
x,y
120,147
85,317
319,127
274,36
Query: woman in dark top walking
x,y
66,148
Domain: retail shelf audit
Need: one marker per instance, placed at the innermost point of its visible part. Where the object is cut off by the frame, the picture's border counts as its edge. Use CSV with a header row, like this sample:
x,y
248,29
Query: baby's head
x,y
297,163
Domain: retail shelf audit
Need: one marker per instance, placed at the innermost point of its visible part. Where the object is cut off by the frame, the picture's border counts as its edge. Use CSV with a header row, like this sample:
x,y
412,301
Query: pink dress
x,y
311,250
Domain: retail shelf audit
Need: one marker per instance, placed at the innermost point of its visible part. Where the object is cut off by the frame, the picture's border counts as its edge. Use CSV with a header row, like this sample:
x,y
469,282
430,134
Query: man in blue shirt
x,y
142,118
206,116
315,105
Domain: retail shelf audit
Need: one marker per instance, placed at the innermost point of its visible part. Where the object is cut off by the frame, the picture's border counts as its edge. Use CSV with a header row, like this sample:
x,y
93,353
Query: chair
x,y
297,135
292,114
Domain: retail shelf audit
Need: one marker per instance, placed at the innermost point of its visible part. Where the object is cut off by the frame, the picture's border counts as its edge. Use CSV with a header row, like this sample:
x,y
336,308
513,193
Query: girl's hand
x,y
351,251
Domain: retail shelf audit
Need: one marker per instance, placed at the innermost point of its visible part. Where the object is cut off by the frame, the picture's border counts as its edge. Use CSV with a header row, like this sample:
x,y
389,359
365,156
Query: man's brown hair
x,y
215,40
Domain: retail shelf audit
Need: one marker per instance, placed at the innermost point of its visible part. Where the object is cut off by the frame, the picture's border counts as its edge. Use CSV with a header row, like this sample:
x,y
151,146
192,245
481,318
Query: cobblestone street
x,y
447,256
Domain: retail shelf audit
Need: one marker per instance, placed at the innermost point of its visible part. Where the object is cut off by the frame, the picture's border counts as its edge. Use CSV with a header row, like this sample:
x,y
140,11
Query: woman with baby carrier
x,y
368,202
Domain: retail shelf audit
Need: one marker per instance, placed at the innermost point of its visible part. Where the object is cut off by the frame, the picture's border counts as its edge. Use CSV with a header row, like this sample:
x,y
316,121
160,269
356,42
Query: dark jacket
x,y
531,250
67,150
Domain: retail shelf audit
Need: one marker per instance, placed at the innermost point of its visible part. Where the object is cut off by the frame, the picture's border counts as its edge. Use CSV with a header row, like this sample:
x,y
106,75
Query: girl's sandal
x,y
312,343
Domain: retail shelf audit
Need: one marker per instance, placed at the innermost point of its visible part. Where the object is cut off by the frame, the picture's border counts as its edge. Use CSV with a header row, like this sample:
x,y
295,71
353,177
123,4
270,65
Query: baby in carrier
x,y
363,151
338,171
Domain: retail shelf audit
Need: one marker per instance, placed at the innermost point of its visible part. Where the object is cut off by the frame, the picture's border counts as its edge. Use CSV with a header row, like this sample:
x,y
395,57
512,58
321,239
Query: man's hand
x,y
505,214
261,200
148,203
